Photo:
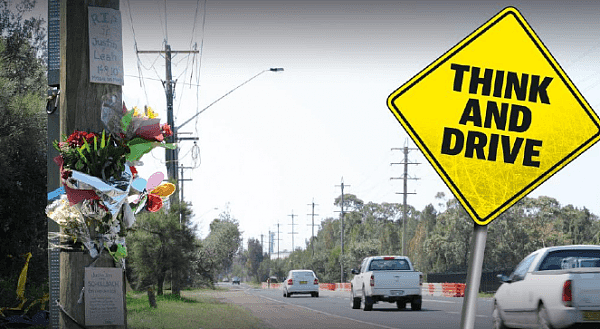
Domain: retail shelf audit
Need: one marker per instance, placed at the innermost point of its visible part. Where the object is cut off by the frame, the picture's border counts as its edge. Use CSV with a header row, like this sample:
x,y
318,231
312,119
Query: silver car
x,y
300,282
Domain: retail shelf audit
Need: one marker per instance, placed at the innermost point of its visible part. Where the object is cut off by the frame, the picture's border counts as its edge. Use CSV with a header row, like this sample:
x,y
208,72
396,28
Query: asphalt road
x,y
332,310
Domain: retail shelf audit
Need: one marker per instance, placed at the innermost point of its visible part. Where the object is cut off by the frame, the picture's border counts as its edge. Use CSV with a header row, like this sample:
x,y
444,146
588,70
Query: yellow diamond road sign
x,y
496,116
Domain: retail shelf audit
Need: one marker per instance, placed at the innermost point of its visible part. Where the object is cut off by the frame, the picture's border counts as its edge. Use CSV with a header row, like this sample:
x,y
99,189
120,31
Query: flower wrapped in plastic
x,y
97,175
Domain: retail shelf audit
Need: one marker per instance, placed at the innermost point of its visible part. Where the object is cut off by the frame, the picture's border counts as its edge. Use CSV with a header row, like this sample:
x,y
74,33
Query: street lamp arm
x,y
278,69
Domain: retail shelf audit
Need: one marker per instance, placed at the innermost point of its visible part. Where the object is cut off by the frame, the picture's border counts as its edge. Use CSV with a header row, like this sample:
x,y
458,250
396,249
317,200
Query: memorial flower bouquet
x,y
101,189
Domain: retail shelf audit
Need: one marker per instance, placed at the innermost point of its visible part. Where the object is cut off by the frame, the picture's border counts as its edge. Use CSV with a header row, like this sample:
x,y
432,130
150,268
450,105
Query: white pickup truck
x,y
387,279
553,287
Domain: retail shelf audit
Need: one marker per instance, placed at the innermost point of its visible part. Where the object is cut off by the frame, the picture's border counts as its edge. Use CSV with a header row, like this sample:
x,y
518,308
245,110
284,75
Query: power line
x,y
183,83
142,84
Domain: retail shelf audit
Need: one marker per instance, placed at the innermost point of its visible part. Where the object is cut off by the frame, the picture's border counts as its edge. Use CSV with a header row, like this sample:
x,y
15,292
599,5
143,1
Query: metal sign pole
x,y
469,309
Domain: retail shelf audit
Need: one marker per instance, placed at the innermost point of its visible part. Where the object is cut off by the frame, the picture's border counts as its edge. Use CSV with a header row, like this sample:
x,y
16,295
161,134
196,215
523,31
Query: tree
x,y
223,241
162,242
22,147
255,257
439,240
351,202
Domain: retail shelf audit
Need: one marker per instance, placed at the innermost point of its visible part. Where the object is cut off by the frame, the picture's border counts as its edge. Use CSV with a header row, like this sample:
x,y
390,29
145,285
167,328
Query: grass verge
x,y
196,309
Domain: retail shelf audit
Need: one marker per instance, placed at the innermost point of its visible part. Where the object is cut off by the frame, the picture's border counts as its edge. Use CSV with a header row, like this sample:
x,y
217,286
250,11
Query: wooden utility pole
x,y
80,109
342,233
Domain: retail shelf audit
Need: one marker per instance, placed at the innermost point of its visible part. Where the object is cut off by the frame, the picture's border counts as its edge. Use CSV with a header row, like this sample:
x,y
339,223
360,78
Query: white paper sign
x,y
104,296
106,45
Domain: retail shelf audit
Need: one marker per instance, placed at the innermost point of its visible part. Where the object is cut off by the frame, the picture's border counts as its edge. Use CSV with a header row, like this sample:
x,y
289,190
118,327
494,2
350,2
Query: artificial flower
x,y
154,203
134,171
166,130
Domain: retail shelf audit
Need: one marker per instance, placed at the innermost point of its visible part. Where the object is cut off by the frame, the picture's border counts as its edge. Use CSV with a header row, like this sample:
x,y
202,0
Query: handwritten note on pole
x,y
106,45
104,296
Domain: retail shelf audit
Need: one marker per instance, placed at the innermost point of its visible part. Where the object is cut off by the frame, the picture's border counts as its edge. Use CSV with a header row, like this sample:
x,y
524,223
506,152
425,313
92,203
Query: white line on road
x,y
439,301
325,313
479,316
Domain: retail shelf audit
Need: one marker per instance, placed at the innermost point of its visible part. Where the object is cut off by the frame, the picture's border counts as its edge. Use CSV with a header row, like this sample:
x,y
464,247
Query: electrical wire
x,y
142,84
196,64
200,53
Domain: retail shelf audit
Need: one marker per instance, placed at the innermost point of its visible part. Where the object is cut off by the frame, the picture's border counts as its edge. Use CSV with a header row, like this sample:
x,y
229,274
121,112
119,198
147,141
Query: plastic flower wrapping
x,y
101,190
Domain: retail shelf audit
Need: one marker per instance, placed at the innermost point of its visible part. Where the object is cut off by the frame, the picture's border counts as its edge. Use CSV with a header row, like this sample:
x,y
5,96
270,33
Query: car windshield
x,y
566,259
388,264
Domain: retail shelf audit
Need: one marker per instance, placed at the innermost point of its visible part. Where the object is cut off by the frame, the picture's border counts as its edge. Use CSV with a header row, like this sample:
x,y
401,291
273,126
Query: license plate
x,y
591,315
303,282
397,292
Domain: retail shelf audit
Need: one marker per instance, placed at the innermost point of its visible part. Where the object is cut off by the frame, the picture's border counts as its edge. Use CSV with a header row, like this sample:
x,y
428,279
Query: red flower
x,y
166,130
77,137
134,171
66,174
154,203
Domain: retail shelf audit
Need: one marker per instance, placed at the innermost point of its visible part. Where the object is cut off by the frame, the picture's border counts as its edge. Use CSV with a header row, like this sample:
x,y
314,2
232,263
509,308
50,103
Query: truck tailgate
x,y
586,288
396,279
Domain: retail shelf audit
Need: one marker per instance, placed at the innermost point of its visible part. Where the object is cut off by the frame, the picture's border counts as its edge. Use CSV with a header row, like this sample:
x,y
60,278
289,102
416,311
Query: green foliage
x,y
255,257
162,243
104,157
218,249
22,147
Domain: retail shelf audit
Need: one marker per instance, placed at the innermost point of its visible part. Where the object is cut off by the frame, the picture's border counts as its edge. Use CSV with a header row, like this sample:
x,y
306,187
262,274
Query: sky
x,y
284,140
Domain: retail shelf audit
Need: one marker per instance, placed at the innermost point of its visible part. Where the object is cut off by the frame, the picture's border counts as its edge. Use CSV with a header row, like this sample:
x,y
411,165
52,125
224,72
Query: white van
x,y
301,282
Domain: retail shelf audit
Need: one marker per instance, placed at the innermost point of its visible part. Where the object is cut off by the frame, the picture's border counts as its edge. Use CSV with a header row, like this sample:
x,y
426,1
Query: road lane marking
x,y
324,313
479,316
439,301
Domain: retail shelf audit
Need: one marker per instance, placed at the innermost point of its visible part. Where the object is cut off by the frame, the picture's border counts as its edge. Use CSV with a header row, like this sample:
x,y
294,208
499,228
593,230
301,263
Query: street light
x,y
273,69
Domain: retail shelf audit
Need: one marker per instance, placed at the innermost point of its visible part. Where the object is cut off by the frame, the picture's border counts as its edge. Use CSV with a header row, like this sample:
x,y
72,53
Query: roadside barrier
x,y
264,285
444,289
342,286
429,289
327,286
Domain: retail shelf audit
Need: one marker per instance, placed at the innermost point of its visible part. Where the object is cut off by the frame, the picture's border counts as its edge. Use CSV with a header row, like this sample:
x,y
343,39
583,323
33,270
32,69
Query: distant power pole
x,y
278,239
405,177
342,231
270,244
292,233
312,237
181,180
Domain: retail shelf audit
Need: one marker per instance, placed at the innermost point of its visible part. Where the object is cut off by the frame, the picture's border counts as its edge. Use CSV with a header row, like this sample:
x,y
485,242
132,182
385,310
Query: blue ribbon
x,y
56,193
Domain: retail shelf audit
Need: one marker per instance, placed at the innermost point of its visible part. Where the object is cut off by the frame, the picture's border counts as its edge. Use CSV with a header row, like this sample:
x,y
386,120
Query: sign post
x,y
496,116
469,310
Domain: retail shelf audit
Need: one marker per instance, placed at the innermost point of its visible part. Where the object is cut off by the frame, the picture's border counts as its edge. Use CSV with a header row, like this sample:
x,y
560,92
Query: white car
x,y
554,287
300,282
